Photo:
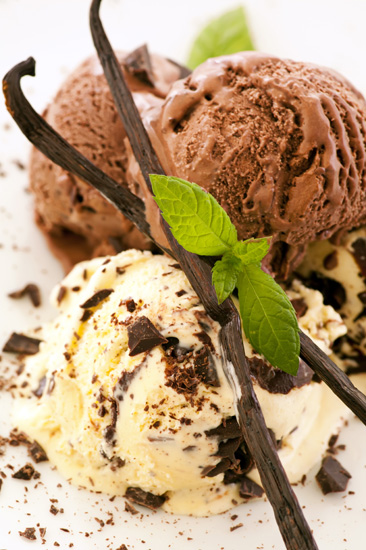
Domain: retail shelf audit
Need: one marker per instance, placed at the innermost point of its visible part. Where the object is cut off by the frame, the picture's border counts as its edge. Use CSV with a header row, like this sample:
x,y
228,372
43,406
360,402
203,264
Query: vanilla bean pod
x,y
294,529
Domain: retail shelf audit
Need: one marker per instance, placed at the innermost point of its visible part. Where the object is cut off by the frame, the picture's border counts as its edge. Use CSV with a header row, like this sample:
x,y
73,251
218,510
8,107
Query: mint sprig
x,y
225,35
201,226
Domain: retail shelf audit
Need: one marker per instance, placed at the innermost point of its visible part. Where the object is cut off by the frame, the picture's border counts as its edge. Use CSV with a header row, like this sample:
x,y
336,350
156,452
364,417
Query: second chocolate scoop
x,y
280,144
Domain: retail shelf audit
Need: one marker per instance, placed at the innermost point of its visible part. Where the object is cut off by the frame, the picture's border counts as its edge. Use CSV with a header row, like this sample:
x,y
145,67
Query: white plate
x,y
56,34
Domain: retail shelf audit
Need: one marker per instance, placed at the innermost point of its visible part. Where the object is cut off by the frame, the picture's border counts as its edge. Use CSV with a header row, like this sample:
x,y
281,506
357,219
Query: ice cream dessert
x,y
280,144
127,393
77,220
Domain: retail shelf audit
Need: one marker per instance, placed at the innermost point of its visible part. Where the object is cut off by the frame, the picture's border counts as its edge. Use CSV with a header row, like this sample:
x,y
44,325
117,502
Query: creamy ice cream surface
x,y
128,390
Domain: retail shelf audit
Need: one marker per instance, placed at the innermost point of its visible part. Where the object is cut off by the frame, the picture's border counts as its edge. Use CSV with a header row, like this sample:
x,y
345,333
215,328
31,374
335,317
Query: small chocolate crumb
x,y
144,498
130,305
1,483
29,533
143,336
130,508
97,298
122,547
54,510
332,477
19,343
181,293
234,527
26,472
30,290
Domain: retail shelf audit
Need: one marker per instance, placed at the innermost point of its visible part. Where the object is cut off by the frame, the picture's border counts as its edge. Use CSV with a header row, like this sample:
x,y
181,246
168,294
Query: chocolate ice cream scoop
x,y
280,144
77,220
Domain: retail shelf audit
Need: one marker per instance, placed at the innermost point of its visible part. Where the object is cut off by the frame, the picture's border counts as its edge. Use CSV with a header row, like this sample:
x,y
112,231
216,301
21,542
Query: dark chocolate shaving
x,y
143,336
332,477
205,367
333,292
250,489
30,290
61,294
29,533
331,261
37,452
275,380
228,429
144,498
138,64
19,343
26,472
220,468
97,298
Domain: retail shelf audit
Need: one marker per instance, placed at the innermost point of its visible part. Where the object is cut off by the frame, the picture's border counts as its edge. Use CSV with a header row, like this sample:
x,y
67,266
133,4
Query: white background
x,y
56,33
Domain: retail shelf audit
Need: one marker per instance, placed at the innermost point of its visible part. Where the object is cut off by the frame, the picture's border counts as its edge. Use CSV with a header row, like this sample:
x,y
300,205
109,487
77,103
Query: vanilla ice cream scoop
x,y
128,395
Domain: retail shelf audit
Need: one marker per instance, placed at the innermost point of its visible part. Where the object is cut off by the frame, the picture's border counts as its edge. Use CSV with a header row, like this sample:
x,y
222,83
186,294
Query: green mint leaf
x,y
251,251
269,320
227,34
196,219
225,275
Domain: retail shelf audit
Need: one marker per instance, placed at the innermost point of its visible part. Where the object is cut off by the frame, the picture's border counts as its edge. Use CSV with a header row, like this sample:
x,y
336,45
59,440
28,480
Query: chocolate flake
x,y
19,343
61,294
250,489
359,254
275,380
138,64
86,315
332,477
144,498
1,483
97,298
130,305
331,261
37,452
205,367
181,293
143,336
30,290
26,472
228,429
130,508
29,533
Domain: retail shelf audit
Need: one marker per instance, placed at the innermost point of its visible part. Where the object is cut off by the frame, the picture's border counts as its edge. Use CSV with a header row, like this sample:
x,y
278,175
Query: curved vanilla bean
x,y
51,144
336,379
294,529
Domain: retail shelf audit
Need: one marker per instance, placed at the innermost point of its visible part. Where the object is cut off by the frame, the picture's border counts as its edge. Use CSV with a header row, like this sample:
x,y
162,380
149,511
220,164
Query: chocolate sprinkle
x,y
61,294
144,498
332,477
19,343
26,472
143,336
97,298
250,489
30,290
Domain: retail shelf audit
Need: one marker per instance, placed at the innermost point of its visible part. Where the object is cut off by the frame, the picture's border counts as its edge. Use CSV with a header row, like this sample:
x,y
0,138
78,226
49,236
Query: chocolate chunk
x,y
228,448
275,380
332,477
97,298
250,489
61,294
205,367
37,452
19,343
30,290
26,472
359,254
144,498
205,339
300,306
181,293
173,349
362,297
108,433
130,305
333,292
116,242
29,533
138,64
331,261
143,336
